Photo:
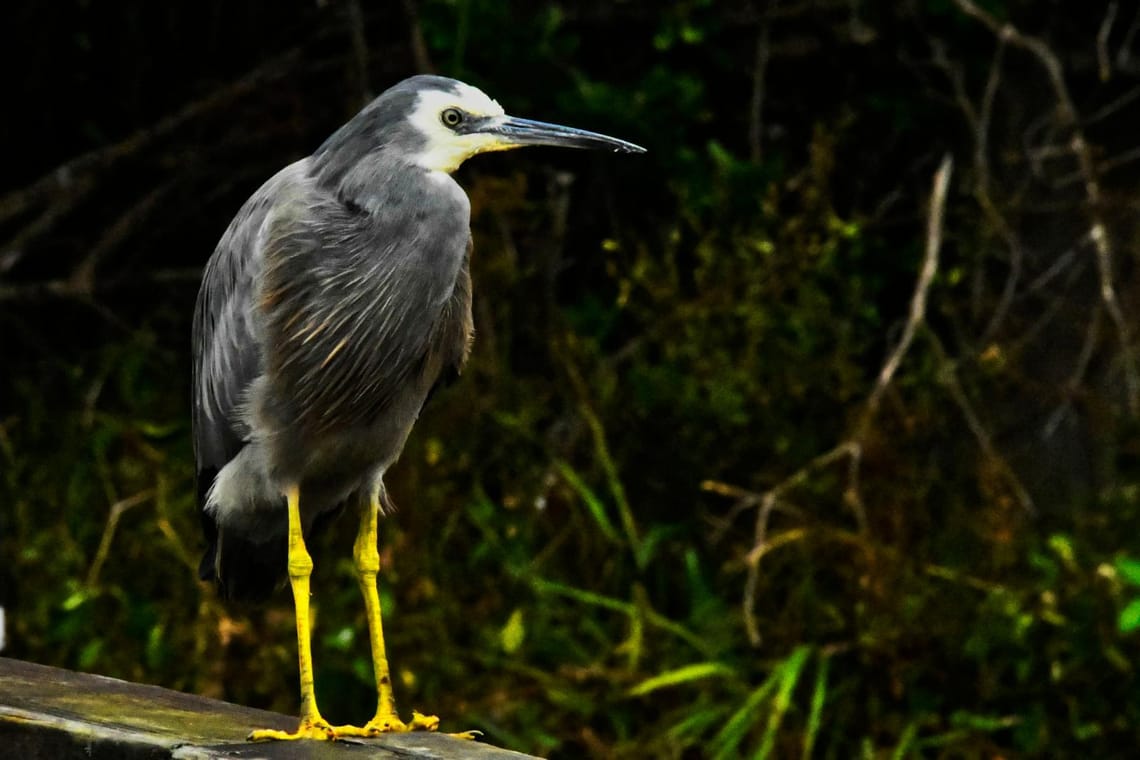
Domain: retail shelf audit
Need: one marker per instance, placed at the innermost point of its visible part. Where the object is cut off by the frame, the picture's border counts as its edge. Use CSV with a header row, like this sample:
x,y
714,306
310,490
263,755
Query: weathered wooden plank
x,y
52,714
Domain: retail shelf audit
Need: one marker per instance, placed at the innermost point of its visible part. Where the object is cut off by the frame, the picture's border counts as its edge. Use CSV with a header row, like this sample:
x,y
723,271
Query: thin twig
x,y
949,378
918,300
759,75
83,277
768,502
69,289
359,52
1119,160
162,520
1092,334
986,201
1060,264
985,113
15,248
1105,166
1104,65
1124,52
419,48
1112,107
104,550
979,121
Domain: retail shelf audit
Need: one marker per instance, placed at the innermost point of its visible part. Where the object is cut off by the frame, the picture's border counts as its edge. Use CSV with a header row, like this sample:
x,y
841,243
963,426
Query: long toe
x,y
319,730
421,722
390,723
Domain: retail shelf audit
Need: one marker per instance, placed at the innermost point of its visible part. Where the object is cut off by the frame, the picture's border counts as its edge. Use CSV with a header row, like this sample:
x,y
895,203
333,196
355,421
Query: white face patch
x,y
445,149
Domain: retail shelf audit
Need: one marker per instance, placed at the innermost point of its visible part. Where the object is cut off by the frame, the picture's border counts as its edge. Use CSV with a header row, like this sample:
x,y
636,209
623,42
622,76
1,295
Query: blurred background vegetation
x,y
745,464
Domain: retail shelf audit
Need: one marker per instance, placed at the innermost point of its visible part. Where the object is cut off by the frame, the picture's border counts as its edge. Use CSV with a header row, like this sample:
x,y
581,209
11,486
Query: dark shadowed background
x,y
767,447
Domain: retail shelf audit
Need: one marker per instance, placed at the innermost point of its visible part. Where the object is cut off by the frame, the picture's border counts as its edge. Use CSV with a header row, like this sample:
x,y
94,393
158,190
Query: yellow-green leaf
x,y
1130,617
1129,570
512,635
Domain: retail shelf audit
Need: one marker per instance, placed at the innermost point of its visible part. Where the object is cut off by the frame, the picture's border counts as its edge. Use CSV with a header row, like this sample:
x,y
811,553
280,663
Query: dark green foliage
x,y
661,341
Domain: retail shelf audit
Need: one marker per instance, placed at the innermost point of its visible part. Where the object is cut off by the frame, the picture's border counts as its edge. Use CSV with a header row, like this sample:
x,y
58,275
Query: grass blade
x,y
818,696
543,586
693,726
905,741
694,672
593,503
789,677
617,490
725,743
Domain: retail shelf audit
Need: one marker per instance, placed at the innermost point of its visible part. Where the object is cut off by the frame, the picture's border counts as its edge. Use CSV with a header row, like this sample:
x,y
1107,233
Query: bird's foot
x,y
390,723
317,728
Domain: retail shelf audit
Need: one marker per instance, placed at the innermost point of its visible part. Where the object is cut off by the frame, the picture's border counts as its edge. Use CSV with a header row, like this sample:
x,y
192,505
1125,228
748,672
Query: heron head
x,y
457,121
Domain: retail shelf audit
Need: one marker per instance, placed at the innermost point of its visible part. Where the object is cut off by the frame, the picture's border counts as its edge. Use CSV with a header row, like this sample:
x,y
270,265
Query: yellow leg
x,y
312,725
367,565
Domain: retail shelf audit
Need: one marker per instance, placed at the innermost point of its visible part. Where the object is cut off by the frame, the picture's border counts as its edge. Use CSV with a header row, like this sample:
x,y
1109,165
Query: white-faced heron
x,y
335,301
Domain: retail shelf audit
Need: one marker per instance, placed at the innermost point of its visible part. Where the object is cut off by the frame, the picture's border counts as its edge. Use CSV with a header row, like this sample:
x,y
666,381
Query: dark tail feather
x,y
245,571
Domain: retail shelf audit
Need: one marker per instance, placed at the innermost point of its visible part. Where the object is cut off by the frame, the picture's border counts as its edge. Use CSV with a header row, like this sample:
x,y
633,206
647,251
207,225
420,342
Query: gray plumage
x,y
334,302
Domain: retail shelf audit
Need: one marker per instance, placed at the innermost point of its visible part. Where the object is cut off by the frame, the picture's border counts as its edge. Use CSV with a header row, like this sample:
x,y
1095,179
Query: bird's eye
x,y
451,117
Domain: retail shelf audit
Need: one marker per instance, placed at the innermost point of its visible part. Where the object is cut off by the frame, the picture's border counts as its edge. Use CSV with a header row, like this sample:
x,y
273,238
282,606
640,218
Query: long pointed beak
x,y
515,132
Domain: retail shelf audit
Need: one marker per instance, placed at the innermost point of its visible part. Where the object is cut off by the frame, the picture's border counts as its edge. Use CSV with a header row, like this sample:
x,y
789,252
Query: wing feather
x,y
359,302
348,315
227,339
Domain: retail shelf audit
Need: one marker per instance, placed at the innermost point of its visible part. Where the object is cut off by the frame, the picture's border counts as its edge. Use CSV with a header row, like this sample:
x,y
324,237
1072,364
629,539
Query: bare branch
x,y
918,300
768,502
1079,146
65,185
850,448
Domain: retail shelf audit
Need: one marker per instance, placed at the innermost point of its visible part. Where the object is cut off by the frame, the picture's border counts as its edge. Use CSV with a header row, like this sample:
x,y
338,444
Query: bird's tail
x,y
249,571
244,571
